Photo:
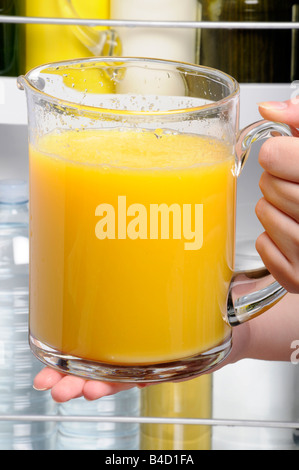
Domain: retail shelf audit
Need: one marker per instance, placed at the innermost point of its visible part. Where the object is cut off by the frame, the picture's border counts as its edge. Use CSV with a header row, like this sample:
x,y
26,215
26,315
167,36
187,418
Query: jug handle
x,y
98,42
253,292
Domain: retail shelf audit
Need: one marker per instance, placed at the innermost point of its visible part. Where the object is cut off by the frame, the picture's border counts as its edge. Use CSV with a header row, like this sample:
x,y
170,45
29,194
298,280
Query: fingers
x,y
47,379
282,230
282,194
279,156
286,112
66,387
278,211
93,390
63,388
279,246
276,263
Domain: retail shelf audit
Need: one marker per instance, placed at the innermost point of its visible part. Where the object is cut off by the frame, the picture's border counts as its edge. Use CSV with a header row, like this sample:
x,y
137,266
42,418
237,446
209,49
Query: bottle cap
x,y
13,192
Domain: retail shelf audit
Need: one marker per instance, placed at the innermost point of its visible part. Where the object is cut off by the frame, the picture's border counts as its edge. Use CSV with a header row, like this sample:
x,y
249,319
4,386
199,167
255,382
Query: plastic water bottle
x,y
100,435
18,366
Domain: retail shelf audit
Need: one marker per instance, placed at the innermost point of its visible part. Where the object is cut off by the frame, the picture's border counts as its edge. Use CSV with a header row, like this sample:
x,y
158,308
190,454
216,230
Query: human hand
x,y
278,210
67,387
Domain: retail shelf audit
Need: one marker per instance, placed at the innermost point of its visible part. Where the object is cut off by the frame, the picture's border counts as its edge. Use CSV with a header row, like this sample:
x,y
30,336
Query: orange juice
x,y
132,244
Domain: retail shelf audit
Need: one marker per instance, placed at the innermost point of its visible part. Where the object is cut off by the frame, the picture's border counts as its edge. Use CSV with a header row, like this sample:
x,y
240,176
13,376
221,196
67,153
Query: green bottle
x,y
255,55
11,42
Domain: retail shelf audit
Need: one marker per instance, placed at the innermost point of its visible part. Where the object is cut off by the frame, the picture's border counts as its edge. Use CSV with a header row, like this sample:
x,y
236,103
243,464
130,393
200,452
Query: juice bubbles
x,y
132,244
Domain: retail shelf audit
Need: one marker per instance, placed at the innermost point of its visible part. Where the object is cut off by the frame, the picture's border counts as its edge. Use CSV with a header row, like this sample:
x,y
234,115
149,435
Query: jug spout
x,y
21,82
35,82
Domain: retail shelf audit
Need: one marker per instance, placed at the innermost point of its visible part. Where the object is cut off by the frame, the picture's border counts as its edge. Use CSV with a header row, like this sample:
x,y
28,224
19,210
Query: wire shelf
x,y
151,24
148,420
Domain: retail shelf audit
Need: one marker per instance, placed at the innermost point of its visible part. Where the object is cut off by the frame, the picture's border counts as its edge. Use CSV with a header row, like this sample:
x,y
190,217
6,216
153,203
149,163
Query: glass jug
x,y
132,212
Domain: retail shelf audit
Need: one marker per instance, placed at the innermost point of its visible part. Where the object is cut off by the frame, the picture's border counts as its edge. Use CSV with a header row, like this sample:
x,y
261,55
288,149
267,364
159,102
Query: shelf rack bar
x,y
143,420
151,24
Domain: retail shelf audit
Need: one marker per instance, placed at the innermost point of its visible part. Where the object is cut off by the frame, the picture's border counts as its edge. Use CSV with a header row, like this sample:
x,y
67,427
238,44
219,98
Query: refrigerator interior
x,y
249,390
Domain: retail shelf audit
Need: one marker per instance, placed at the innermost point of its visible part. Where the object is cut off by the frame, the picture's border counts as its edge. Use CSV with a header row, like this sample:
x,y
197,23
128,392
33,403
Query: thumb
x,y
286,112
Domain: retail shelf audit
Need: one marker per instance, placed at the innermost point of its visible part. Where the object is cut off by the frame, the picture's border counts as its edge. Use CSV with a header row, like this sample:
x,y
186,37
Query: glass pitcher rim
x,y
24,82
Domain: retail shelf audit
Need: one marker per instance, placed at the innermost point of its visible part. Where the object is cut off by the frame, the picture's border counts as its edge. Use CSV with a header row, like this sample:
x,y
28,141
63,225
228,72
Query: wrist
x,y
242,343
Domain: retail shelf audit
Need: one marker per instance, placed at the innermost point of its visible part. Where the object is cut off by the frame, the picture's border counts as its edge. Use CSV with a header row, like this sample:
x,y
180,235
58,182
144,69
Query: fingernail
x,y
273,105
40,389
